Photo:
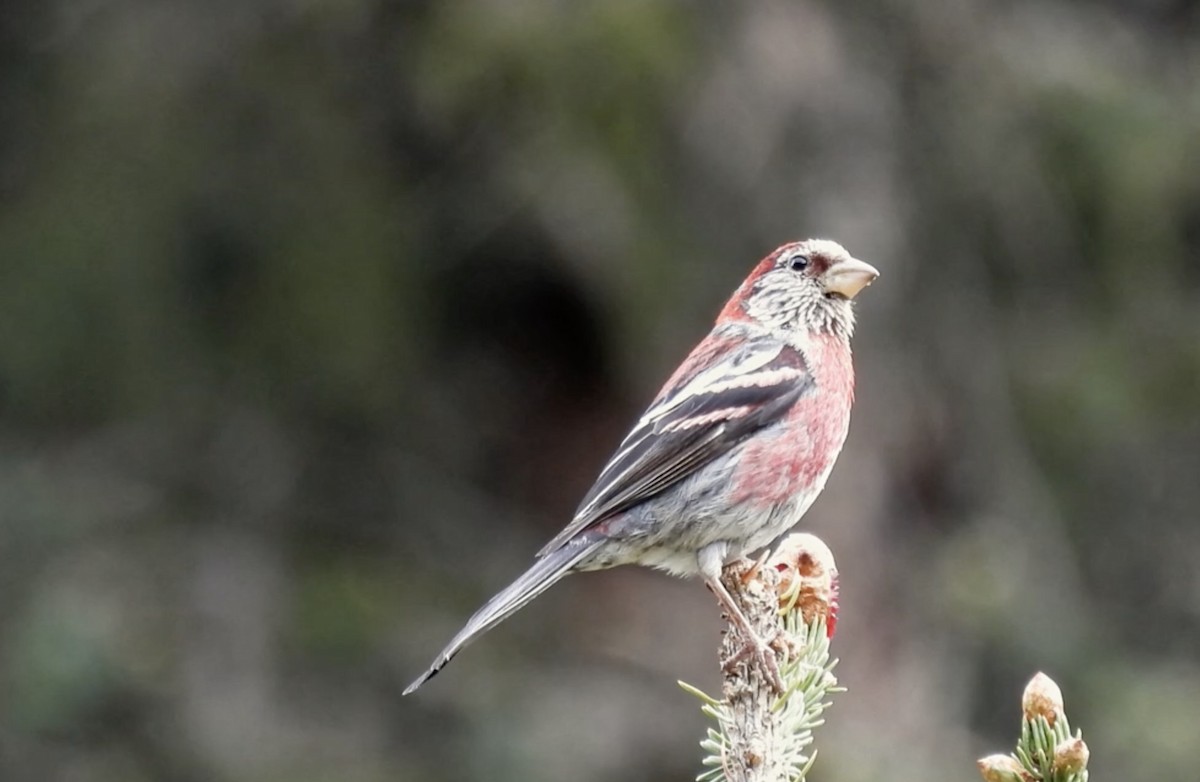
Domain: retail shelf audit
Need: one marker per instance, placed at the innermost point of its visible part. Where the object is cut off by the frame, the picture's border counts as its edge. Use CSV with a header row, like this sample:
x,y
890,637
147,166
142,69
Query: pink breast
x,y
796,458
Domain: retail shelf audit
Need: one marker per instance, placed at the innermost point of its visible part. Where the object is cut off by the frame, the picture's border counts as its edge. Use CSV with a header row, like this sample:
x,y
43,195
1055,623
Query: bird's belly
x,y
668,532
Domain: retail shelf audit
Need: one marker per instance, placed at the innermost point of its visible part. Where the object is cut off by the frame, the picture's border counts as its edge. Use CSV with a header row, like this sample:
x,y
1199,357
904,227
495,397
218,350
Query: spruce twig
x,y
761,735
1046,751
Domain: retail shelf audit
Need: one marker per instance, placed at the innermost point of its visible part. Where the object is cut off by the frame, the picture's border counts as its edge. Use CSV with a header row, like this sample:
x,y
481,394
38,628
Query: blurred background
x,y
318,318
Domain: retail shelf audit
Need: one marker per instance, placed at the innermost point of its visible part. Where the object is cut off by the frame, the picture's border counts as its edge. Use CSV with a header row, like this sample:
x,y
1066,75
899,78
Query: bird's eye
x,y
798,263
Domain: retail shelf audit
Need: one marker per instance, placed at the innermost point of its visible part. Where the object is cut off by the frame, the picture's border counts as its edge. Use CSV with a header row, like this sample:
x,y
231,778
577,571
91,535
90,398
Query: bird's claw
x,y
753,566
766,657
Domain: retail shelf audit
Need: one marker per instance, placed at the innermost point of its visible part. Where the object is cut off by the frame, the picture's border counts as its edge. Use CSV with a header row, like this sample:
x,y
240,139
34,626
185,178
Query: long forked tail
x,y
544,573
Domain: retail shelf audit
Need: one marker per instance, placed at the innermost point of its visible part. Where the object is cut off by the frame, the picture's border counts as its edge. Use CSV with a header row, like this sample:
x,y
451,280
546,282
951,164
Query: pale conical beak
x,y
848,277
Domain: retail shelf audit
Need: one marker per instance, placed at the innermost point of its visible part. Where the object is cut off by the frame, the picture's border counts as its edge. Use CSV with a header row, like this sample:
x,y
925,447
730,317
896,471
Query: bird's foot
x,y
765,655
745,569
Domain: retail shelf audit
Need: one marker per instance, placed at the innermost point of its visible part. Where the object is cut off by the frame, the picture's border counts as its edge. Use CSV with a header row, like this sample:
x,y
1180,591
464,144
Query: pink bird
x,y
733,450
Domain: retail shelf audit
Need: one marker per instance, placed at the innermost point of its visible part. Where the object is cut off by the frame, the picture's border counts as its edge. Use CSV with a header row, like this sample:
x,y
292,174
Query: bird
x,y
732,451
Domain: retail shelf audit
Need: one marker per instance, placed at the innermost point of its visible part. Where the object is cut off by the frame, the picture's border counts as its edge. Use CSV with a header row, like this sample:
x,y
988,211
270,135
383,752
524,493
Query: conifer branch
x,y
1047,751
762,735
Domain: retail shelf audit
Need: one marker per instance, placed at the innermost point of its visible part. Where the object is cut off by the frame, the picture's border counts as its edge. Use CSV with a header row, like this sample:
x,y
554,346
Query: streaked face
x,y
809,285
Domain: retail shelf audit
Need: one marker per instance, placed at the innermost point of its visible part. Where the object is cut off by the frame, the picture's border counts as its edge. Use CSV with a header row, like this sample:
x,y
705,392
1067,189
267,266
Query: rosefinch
x,y
731,452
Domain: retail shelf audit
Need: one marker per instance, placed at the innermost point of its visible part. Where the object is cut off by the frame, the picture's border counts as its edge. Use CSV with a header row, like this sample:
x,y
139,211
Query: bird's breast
x,y
795,456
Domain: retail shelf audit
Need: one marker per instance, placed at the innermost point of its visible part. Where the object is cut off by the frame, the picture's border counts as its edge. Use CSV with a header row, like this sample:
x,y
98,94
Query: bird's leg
x,y
754,644
711,558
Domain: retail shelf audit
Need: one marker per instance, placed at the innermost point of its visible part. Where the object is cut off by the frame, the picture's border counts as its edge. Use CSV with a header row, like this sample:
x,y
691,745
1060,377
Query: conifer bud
x,y
1070,756
807,578
1002,768
1042,698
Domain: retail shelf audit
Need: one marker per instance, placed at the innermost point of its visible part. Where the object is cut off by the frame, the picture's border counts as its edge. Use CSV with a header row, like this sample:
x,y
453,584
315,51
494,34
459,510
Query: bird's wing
x,y
731,386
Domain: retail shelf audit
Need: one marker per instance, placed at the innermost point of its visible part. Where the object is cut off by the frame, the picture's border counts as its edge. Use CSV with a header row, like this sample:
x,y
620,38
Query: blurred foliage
x,y
316,319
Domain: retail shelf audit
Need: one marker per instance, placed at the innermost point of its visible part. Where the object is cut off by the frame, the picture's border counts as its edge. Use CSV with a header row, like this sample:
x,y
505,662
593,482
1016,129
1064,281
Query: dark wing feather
x,y
743,385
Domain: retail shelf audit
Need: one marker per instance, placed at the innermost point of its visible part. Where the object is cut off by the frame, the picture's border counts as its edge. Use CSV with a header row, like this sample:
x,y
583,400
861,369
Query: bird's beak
x,y
849,276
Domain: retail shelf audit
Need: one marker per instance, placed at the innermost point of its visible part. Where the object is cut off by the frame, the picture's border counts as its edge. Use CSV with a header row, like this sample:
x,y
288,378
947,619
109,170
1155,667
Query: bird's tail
x,y
545,572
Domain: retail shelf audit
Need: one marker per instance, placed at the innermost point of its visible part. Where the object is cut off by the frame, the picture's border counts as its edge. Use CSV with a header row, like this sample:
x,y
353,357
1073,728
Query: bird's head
x,y
803,285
